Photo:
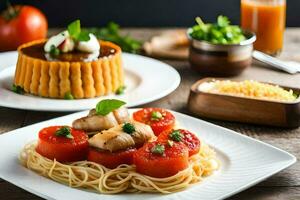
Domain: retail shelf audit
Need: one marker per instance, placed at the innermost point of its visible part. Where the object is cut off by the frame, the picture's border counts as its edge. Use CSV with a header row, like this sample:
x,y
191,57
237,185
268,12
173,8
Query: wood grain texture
x,y
284,185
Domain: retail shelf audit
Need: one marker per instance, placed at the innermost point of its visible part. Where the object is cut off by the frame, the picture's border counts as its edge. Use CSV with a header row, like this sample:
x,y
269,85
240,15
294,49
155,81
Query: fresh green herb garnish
x,y
158,149
128,128
68,96
108,105
223,21
64,131
54,51
296,95
218,33
156,116
76,33
121,90
17,89
176,136
112,33
170,143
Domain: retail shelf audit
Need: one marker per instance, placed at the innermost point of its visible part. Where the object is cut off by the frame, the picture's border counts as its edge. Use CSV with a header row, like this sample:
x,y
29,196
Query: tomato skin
x,y
30,24
61,148
174,160
189,139
111,160
164,124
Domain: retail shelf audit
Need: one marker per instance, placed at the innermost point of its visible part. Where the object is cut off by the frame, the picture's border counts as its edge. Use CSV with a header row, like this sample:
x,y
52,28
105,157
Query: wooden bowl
x,y
243,109
221,59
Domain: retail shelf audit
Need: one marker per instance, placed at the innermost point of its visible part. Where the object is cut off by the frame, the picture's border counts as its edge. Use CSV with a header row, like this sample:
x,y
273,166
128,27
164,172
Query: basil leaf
x,y
83,36
74,29
108,105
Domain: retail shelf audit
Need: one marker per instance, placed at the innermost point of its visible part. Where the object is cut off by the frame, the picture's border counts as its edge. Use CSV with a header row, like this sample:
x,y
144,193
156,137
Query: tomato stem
x,y
11,12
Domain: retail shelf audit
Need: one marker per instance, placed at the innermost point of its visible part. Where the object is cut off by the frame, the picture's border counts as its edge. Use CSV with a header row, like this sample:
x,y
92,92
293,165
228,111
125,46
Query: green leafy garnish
x,y
176,136
17,89
170,143
75,32
120,90
54,51
156,116
158,149
218,33
112,33
108,105
68,96
64,131
128,128
223,21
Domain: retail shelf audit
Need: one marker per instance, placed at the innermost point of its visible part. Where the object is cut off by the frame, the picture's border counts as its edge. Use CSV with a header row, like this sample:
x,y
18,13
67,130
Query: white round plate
x,y
146,80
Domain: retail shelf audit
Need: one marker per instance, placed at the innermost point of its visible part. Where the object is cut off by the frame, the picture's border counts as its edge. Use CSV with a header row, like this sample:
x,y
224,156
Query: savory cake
x,y
75,71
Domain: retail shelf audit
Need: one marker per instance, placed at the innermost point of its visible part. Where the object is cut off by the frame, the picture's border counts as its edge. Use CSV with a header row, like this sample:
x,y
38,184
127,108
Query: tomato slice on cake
x,y
160,160
159,119
62,143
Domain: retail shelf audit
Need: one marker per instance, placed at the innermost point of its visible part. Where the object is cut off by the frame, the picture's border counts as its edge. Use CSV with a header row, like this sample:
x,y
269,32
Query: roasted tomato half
x,y
160,160
159,119
111,159
63,143
184,136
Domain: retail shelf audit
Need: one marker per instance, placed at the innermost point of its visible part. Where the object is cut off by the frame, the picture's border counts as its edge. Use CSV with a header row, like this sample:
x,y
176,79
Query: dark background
x,y
144,13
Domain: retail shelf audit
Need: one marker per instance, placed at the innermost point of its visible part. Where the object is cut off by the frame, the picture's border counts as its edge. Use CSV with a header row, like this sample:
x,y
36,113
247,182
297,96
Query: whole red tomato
x,y
20,24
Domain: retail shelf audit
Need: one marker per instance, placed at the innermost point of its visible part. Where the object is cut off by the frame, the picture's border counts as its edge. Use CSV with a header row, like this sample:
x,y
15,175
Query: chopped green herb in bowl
x,y
220,32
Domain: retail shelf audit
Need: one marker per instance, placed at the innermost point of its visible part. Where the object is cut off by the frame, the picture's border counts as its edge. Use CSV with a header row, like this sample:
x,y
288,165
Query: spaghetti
x,y
124,178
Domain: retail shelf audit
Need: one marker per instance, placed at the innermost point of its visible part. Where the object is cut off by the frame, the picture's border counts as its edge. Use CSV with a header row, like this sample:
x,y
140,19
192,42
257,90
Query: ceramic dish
x,y
144,78
221,59
243,109
245,162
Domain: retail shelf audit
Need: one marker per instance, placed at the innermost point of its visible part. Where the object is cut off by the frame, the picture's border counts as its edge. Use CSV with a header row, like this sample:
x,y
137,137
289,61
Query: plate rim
x,y
152,98
288,161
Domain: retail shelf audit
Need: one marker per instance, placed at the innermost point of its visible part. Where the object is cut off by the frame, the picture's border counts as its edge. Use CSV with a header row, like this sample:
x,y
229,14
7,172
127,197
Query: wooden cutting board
x,y
170,44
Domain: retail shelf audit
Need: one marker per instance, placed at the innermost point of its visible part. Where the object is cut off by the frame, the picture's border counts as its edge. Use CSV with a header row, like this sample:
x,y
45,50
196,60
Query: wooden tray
x,y
242,109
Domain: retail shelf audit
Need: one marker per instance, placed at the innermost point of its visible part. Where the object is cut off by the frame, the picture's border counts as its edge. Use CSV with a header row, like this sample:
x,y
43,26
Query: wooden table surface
x,y
284,185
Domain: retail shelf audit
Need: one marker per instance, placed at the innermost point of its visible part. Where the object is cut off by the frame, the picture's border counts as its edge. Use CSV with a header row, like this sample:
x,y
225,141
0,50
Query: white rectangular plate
x,y
245,162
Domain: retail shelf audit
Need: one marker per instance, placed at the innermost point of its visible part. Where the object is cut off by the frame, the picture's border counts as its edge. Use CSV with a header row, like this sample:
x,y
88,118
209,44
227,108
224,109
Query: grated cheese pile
x,y
248,88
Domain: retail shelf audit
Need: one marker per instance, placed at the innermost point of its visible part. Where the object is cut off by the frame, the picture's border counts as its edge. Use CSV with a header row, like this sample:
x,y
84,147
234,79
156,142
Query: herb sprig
x,y
158,149
111,33
76,33
17,89
128,128
64,131
176,136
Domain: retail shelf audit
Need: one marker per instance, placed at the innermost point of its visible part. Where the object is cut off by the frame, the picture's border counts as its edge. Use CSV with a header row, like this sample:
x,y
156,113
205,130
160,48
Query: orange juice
x,y
267,19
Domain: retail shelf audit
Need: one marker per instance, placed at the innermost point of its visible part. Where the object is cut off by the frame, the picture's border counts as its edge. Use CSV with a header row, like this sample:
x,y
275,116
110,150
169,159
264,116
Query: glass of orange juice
x,y
267,19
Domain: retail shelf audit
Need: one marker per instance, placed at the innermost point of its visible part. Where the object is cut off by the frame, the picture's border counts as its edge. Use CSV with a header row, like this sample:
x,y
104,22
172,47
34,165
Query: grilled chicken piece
x,y
94,122
116,139
143,133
